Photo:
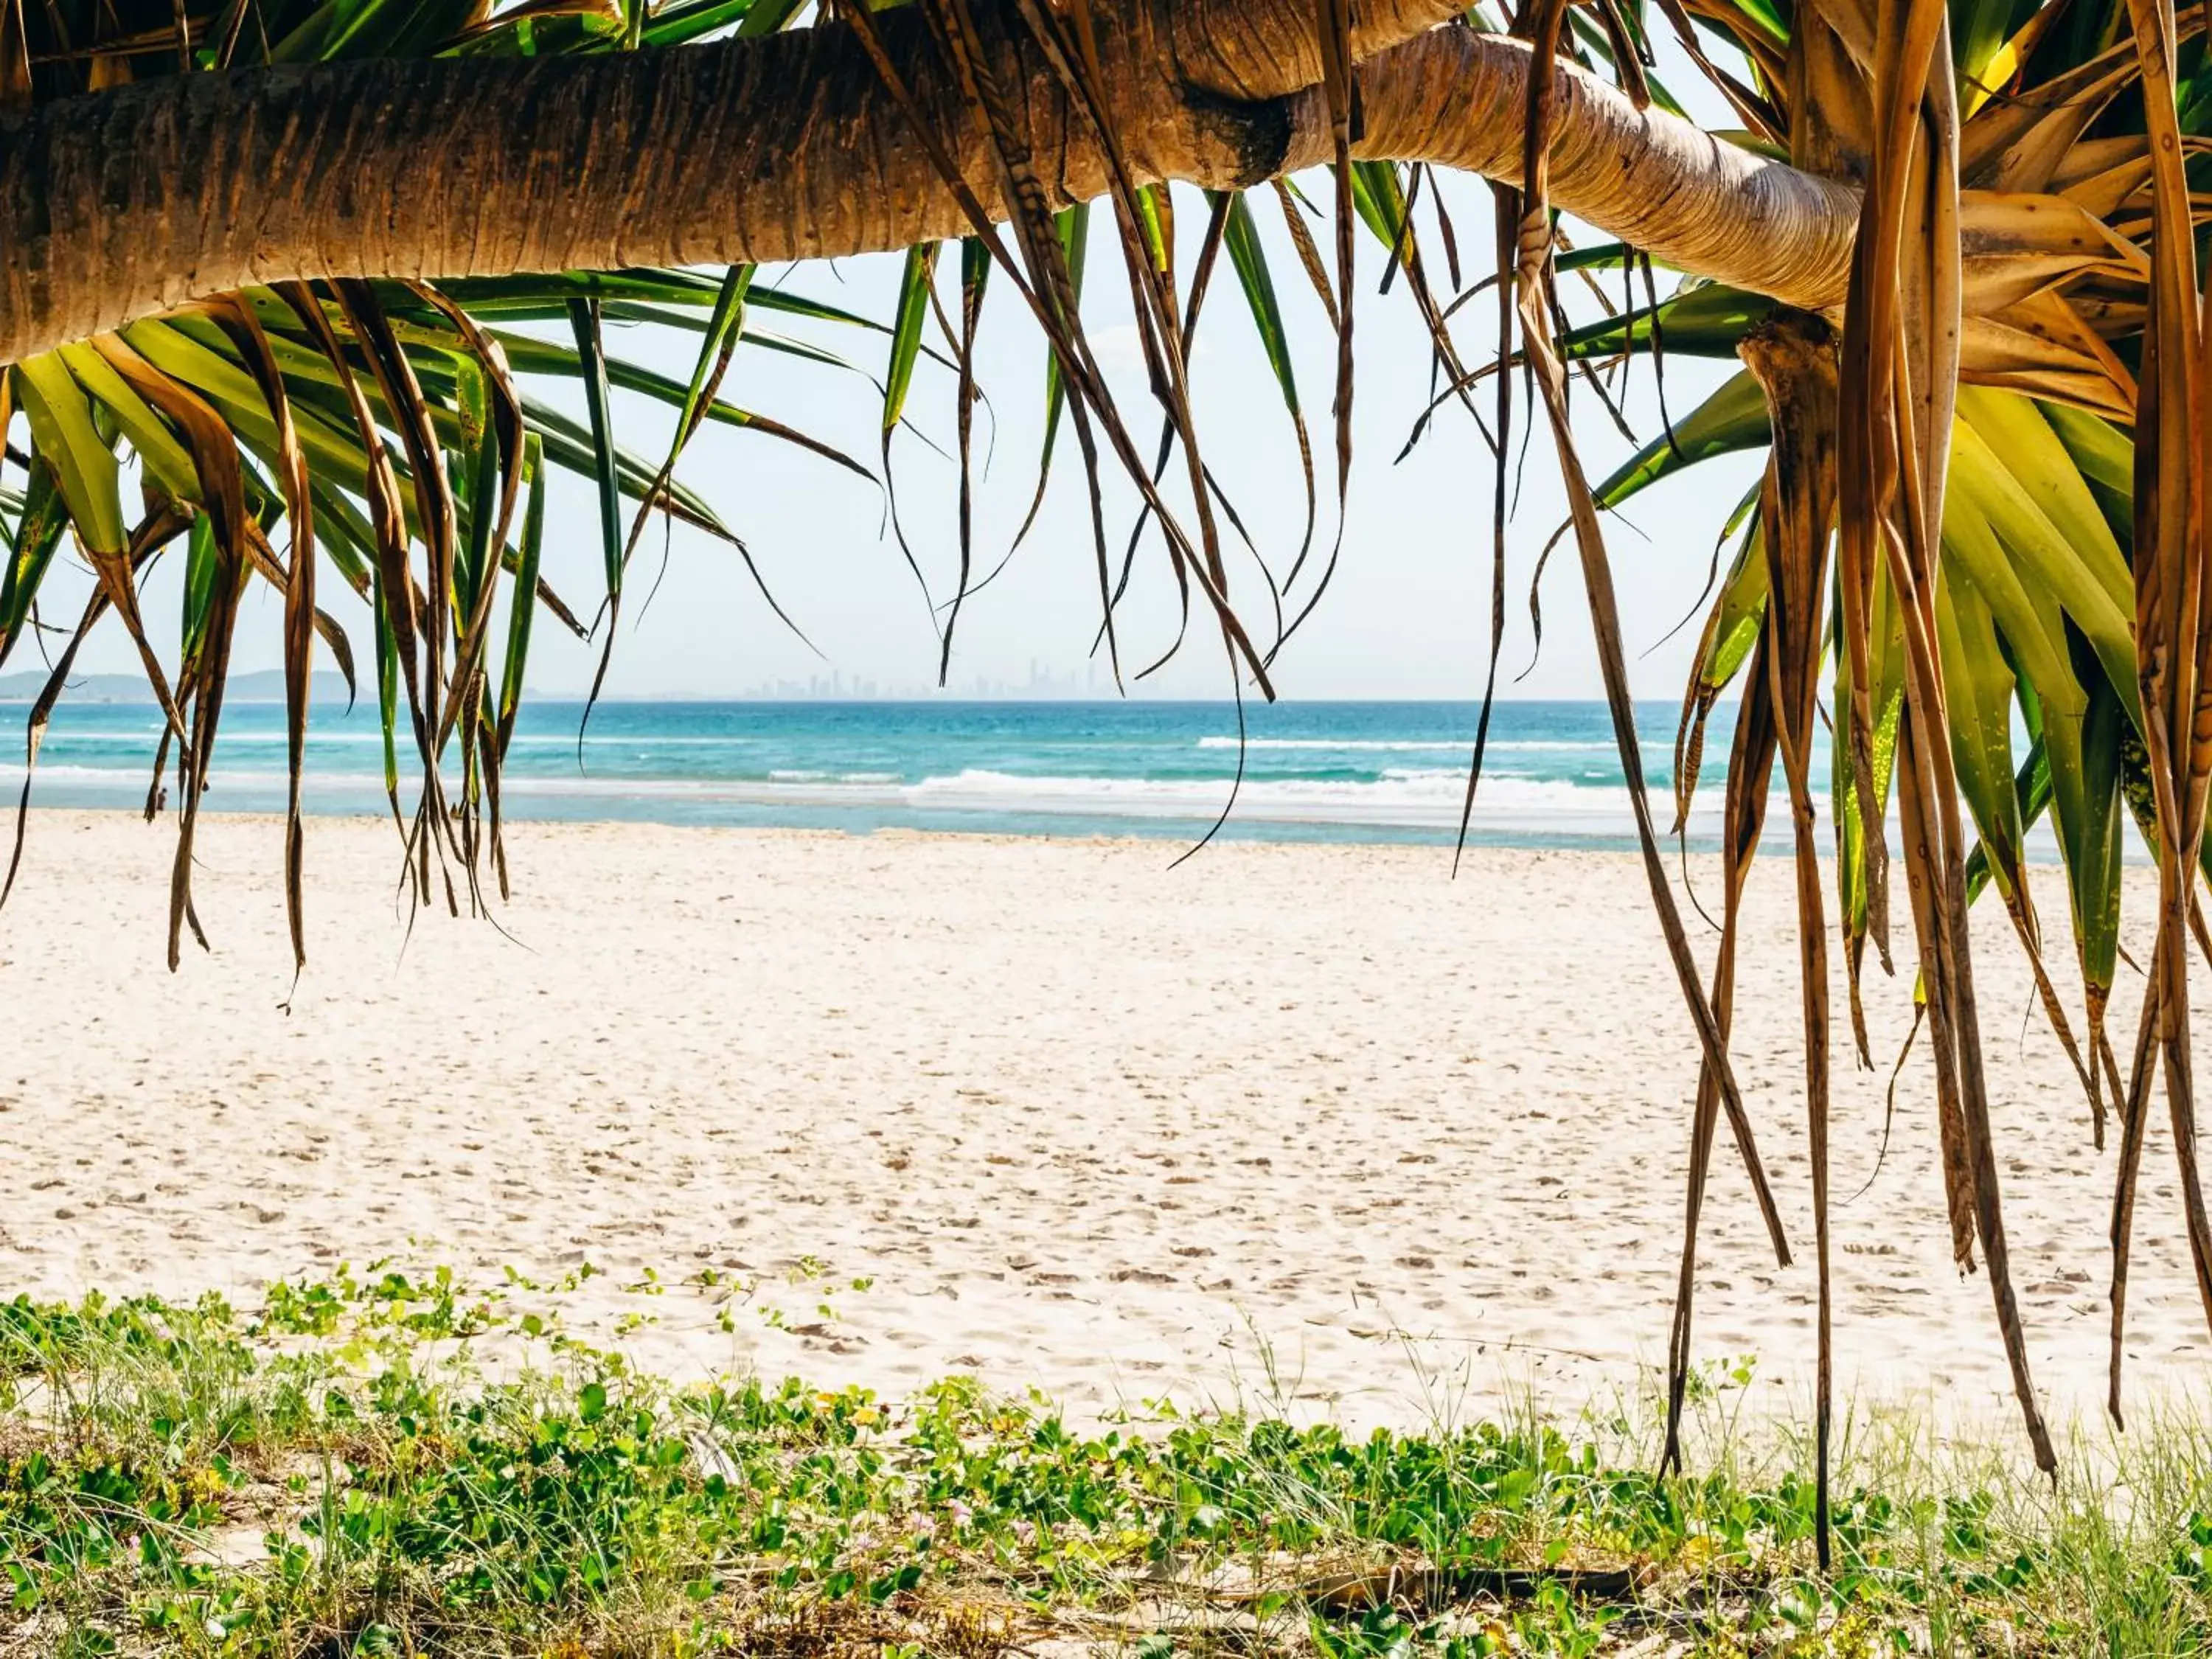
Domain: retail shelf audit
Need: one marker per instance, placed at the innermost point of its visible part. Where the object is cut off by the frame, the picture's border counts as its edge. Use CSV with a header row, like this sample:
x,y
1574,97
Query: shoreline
x,y
840,810
1377,773
2041,849
1091,1123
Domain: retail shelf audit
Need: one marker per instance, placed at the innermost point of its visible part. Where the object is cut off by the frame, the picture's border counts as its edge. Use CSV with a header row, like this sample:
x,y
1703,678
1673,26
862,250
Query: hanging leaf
x,y
84,465
1732,420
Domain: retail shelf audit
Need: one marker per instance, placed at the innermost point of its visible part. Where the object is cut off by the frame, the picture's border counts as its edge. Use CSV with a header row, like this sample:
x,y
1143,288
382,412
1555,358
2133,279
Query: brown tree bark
x,y
119,204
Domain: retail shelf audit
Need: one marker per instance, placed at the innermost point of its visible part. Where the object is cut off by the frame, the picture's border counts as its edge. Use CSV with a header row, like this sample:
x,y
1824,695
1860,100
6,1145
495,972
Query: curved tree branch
x,y
1456,98
120,205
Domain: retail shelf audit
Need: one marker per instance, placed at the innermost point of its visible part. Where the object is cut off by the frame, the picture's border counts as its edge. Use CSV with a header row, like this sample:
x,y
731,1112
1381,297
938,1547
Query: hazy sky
x,y
1407,614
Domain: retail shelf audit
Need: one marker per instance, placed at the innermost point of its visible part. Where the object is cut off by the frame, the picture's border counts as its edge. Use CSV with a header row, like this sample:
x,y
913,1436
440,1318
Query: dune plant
x,y
393,1463
278,254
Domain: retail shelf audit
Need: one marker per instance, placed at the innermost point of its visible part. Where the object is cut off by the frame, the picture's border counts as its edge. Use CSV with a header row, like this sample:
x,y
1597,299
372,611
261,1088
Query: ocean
x,y
1312,771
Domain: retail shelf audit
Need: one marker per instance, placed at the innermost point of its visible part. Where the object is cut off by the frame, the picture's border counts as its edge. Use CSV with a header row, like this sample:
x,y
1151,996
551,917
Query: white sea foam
x,y
1403,798
1358,744
1426,797
1452,746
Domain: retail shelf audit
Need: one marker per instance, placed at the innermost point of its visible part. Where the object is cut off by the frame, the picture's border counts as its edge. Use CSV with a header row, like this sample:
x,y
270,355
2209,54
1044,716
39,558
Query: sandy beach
x,y
1312,1121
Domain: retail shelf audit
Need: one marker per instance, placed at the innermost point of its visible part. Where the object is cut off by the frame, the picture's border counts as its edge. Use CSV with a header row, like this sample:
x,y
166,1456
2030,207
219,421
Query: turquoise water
x,y
1358,771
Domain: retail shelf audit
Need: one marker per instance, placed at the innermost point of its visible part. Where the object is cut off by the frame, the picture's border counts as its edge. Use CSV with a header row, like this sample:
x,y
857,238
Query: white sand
x,y
1085,1122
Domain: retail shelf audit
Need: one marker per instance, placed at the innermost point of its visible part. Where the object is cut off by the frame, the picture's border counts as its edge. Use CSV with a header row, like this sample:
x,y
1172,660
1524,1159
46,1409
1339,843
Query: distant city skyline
x,y
1042,684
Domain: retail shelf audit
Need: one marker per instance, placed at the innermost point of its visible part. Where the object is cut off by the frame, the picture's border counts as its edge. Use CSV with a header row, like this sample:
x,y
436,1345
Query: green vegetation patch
x,y
381,1465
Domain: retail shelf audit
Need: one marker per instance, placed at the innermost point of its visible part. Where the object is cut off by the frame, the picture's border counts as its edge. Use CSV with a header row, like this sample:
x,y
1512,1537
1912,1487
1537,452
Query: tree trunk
x,y
119,204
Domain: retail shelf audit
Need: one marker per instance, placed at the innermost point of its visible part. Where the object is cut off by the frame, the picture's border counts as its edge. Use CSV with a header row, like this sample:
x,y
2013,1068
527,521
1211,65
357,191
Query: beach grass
x,y
381,1464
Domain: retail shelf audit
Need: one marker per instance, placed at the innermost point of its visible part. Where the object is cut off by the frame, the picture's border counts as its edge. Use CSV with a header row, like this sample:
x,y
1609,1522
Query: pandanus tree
x,y
280,257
